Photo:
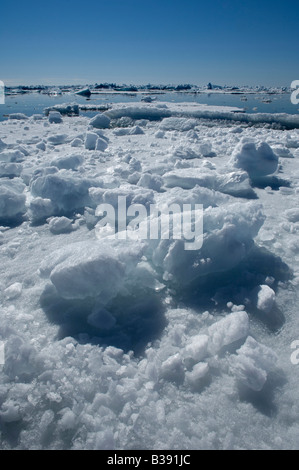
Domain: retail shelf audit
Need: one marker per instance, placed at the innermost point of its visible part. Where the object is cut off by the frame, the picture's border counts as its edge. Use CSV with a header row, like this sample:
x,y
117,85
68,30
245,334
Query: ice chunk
x,y
198,372
230,329
11,156
64,109
68,420
41,146
172,369
101,144
91,140
95,269
57,139
18,116
160,135
197,348
136,130
3,145
252,364
178,124
150,181
265,298
227,238
77,142
14,291
12,204
37,117
59,225
40,209
234,183
100,121
67,192
55,117
70,162
10,169
257,159
292,215
282,152
84,92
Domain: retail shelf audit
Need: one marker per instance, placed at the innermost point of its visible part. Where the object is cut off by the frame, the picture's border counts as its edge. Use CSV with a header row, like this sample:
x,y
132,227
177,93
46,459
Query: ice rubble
x,y
104,347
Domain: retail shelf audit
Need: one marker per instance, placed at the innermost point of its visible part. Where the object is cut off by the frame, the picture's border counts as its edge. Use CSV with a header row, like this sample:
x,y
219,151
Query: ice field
x,y
139,343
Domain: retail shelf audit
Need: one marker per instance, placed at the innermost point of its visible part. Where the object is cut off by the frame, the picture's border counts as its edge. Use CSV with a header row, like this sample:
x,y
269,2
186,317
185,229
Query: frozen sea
x,y
137,343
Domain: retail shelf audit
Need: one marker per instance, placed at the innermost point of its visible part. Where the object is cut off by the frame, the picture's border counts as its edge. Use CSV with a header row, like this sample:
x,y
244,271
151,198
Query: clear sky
x,y
158,41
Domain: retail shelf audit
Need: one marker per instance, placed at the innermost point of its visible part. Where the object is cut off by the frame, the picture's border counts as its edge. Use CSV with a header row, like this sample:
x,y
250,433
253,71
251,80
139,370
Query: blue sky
x,y
138,41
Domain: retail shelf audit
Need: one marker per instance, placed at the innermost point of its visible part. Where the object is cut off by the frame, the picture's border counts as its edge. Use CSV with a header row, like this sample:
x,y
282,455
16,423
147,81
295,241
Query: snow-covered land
x,y
140,343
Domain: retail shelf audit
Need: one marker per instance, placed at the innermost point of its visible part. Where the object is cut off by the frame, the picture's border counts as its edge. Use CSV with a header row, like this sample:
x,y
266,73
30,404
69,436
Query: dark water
x,y
34,103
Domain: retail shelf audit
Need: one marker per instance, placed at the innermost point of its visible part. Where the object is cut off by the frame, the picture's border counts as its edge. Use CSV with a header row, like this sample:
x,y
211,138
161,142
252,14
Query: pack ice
x,y
139,343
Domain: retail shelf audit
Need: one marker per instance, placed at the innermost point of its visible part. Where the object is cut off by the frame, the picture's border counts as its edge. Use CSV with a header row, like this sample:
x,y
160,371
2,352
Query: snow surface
x,y
139,343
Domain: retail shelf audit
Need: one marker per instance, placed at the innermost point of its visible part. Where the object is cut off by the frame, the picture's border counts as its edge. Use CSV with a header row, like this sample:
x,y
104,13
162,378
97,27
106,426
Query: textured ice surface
x,y
141,344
